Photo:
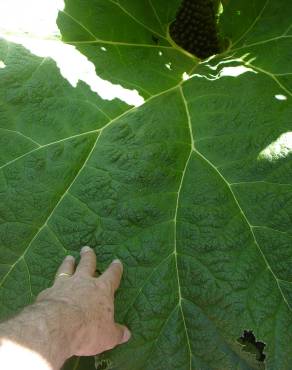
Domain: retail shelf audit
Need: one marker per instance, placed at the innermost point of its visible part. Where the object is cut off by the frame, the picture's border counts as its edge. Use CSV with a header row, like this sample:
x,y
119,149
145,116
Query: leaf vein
x,y
156,15
135,19
253,24
248,223
175,223
52,211
21,134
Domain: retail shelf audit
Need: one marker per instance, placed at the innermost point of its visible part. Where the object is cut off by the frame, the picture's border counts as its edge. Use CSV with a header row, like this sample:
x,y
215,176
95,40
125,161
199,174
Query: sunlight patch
x,y
232,67
14,355
234,71
280,97
279,149
168,65
185,76
33,25
2,64
33,17
75,67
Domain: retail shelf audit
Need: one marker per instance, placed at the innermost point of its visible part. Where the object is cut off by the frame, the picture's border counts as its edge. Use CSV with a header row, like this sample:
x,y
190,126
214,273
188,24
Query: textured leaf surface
x,y
188,189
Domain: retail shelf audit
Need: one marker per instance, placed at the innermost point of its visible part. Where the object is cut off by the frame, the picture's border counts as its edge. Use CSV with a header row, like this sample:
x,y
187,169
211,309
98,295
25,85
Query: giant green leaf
x,y
192,190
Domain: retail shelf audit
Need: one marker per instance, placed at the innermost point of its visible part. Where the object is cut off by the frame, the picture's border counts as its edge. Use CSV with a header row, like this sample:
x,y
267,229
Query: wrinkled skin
x,y
90,303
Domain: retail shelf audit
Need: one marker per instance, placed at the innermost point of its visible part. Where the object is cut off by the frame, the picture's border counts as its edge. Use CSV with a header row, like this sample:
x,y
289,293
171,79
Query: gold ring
x,y
63,274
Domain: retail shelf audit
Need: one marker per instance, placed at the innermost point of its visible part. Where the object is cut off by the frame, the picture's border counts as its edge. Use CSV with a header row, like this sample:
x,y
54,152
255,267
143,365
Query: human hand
x,y
87,303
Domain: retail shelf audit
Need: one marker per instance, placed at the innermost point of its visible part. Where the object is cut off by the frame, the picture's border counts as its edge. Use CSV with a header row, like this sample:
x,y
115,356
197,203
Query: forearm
x,y
37,338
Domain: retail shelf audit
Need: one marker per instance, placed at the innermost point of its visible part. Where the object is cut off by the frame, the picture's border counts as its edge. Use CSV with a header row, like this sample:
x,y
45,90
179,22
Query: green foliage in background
x,y
192,190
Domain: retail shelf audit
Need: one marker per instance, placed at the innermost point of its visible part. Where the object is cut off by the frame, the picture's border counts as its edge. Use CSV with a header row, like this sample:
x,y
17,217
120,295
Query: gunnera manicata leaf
x,y
191,190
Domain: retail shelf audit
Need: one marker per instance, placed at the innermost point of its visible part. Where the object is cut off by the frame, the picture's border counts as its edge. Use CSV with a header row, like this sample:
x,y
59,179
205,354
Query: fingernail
x,y
117,261
85,249
126,336
69,258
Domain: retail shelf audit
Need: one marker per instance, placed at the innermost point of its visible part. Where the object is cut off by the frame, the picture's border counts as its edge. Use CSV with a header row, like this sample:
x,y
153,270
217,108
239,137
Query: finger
x,y
122,334
87,264
66,268
113,274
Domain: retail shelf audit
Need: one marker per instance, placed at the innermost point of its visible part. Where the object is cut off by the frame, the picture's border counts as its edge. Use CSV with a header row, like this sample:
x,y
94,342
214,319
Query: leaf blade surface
x,y
176,188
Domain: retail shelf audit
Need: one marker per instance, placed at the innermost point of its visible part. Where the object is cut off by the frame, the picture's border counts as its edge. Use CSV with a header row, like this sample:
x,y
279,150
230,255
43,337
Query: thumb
x,y
123,333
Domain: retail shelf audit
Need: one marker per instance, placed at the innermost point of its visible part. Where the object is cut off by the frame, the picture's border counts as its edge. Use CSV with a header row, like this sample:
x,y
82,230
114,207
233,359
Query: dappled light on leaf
x,y
15,354
191,189
30,17
232,67
37,31
281,97
234,71
279,149
75,67
186,76
168,66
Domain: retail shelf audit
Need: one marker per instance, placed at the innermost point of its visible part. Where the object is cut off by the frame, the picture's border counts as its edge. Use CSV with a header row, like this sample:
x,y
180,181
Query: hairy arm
x,y
39,337
73,317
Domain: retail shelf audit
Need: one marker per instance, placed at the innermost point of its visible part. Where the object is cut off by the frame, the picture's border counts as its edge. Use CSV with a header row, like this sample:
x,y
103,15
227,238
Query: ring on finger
x,y
63,274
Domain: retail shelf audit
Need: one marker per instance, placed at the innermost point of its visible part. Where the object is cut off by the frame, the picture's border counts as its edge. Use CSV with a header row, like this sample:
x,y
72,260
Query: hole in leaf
x,y
103,364
252,346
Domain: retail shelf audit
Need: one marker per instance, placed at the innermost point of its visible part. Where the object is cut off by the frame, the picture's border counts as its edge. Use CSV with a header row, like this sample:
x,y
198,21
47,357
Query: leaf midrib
x,y
253,24
249,225
99,132
21,257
